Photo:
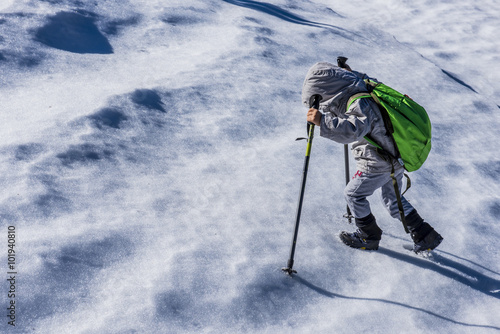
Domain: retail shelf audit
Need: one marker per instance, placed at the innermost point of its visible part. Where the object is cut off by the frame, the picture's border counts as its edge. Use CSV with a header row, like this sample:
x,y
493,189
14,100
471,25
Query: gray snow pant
x,y
363,185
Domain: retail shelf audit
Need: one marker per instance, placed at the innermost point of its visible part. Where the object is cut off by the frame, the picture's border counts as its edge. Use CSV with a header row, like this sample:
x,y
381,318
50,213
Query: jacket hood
x,y
334,84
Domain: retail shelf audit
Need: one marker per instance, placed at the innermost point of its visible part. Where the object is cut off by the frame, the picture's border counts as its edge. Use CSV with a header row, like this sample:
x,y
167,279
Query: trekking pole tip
x,y
289,271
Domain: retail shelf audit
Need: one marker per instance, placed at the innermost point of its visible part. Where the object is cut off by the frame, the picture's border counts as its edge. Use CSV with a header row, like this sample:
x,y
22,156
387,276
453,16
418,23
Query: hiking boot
x,y
425,238
367,236
428,243
358,240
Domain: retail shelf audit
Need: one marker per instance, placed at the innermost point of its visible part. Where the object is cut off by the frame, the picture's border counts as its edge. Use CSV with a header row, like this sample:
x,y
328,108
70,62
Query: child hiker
x,y
336,85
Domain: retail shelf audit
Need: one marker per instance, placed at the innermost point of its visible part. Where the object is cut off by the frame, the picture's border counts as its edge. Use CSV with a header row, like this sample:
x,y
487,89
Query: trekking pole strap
x,y
398,198
408,184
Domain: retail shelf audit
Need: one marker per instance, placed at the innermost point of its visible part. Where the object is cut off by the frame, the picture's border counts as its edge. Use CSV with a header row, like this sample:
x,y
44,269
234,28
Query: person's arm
x,y
355,126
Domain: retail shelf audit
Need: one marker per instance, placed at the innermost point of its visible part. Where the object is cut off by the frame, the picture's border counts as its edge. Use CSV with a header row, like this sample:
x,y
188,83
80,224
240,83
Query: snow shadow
x,y
73,32
53,199
268,299
148,98
84,153
176,306
181,20
51,202
65,277
475,264
184,16
27,57
105,140
454,78
272,10
490,169
329,294
451,269
116,26
28,152
275,11
108,117
282,14
494,209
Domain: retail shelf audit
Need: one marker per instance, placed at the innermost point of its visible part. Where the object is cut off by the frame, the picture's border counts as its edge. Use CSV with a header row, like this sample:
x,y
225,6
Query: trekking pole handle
x,y
314,101
341,62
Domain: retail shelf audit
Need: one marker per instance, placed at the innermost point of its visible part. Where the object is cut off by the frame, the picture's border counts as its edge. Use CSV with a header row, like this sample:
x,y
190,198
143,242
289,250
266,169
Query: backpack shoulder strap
x,y
356,97
370,85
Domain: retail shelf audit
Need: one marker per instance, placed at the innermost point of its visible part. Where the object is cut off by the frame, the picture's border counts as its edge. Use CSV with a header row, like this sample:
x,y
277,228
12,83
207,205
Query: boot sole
x,y
348,243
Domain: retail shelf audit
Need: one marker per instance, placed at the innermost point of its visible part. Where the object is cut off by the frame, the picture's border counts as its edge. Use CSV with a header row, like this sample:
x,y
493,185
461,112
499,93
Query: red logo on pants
x,y
358,173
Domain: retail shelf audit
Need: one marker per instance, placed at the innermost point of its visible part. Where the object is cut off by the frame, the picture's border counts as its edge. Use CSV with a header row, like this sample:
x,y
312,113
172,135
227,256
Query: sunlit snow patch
x,y
4,4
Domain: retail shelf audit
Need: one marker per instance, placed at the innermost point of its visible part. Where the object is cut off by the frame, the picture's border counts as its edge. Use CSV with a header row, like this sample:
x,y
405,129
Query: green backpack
x,y
405,120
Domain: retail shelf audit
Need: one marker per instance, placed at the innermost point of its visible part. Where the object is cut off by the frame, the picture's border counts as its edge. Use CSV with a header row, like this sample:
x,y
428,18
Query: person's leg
x,y
422,234
359,188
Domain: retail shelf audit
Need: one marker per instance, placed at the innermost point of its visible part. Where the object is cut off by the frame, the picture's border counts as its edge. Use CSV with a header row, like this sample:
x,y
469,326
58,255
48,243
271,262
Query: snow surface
x,y
149,167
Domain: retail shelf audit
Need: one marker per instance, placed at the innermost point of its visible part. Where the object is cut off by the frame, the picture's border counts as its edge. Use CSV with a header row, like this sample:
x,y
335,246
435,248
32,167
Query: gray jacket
x,y
336,86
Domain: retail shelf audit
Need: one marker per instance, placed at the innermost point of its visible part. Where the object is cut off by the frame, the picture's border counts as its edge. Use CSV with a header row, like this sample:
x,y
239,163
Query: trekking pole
x,y
314,103
348,215
341,62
